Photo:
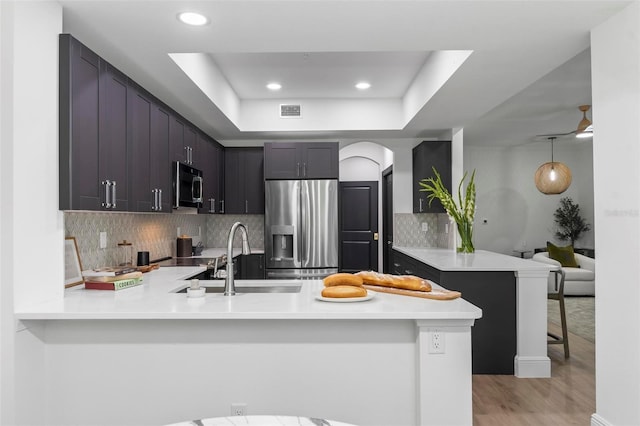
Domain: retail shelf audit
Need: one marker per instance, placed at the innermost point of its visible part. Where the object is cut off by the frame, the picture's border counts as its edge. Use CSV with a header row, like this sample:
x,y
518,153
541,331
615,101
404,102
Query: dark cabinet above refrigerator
x,y
301,160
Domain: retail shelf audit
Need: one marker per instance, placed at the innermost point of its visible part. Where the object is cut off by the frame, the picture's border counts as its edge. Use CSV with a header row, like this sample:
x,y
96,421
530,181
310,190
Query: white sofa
x,y
578,281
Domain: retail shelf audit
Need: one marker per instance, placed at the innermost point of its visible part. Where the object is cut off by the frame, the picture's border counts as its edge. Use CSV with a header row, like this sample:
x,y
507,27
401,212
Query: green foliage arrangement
x,y
462,213
570,225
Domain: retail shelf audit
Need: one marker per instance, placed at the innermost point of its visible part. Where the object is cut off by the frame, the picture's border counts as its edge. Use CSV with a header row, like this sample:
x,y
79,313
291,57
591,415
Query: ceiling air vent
x,y
290,111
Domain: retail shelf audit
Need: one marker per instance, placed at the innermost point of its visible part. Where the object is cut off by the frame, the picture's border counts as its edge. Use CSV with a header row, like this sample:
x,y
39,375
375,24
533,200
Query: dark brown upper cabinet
x,y
244,181
426,155
301,160
211,160
92,131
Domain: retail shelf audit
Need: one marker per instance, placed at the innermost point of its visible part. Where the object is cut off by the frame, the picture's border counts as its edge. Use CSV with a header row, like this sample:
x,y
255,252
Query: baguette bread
x,y
344,291
407,282
342,278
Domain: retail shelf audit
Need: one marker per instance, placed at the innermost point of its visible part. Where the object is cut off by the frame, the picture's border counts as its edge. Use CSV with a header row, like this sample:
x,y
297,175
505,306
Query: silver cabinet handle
x,y
297,169
420,205
212,205
190,155
186,155
304,169
107,194
221,206
113,195
160,199
154,205
246,206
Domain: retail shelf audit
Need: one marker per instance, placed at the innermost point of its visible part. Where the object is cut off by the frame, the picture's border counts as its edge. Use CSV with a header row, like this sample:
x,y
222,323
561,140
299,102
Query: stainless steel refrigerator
x,y
301,228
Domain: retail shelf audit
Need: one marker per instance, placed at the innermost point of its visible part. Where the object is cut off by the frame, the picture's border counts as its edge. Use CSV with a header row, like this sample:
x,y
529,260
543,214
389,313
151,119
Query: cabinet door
x,y
190,144
217,154
282,160
425,156
319,160
113,135
159,156
80,187
233,185
176,139
244,181
140,144
253,163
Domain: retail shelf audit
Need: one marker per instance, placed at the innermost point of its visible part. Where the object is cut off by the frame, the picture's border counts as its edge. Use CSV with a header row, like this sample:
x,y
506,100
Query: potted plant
x,y
569,224
462,213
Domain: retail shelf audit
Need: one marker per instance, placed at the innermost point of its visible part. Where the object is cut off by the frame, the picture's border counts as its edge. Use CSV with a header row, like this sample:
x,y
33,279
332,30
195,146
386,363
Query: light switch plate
x,y
103,240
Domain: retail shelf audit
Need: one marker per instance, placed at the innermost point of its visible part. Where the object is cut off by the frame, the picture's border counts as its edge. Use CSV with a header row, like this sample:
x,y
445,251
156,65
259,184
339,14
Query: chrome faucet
x,y
229,284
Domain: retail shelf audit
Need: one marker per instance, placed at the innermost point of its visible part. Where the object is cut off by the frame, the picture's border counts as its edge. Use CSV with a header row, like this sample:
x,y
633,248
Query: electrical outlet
x,y
238,409
425,226
103,240
436,342
178,231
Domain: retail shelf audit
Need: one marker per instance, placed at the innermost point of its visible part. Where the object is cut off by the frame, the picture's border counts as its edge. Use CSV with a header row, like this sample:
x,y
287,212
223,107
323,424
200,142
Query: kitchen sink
x,y
249,286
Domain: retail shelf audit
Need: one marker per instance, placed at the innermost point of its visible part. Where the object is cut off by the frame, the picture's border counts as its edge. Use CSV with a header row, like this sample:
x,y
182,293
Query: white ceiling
x,y
512,87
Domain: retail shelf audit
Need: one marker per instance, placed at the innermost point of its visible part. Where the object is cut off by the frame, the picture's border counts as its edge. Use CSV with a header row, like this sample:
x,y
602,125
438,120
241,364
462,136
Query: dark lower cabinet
x,y
493,337
426,156
244,181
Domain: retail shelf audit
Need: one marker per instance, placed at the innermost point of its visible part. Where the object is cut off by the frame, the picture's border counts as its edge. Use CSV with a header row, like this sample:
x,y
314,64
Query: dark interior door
x,y
358,226
387,220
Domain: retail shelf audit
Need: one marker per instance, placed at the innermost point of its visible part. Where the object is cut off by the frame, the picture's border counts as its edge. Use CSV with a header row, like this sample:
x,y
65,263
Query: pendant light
x,y
585,127
552,177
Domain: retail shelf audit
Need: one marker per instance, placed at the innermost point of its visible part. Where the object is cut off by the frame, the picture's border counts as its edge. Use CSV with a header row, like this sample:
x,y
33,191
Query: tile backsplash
x,y
408,230
155,233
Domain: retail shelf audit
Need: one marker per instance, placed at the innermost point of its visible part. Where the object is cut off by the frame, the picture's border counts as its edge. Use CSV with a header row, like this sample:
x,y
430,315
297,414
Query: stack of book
x,y
112,278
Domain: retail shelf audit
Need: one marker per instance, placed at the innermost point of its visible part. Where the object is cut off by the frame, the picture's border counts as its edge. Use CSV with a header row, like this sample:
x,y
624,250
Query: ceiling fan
x,y
584,129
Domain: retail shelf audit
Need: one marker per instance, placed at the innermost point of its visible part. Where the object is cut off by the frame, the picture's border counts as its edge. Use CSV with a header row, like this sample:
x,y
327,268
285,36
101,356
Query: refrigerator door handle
x,y
304,226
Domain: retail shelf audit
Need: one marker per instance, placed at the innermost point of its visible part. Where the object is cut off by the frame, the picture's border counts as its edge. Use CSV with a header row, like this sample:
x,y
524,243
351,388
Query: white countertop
x,y
155,299
449,260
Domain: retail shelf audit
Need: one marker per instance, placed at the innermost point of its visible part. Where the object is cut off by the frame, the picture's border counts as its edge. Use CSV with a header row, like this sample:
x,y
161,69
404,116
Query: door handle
x,y
389,243
376,237
107,194
420,205
113,194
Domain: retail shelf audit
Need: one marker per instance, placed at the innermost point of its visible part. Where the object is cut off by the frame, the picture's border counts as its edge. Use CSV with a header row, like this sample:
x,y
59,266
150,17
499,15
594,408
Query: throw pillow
x,y
564,255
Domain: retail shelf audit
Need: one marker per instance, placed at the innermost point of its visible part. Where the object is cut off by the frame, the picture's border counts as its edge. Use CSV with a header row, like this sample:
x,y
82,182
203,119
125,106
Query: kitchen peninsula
x,y
511,338
149,355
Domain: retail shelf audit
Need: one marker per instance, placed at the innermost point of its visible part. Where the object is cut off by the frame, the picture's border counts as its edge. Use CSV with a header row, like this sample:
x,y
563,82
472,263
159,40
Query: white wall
x,y
615,71
32,228
517,214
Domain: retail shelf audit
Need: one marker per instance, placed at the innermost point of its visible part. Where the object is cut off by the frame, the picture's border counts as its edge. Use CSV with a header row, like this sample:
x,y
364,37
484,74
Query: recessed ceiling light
x,y
363,85
274,86
192,18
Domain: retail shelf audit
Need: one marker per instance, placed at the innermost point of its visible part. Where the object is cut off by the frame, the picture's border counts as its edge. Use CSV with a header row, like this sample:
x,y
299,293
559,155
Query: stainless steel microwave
x,y
187,186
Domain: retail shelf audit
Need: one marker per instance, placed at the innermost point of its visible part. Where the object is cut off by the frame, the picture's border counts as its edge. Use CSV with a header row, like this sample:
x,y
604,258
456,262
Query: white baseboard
x,y
532,366
597,420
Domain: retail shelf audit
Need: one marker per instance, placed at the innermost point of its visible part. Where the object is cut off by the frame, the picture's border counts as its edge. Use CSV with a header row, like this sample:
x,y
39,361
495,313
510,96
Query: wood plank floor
x,y
567,398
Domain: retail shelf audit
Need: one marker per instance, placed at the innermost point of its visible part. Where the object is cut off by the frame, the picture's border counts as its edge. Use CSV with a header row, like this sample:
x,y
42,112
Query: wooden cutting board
x,y
436,293
148,268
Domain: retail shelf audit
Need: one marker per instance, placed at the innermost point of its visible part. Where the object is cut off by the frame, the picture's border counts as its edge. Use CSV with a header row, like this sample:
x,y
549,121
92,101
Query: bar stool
x,y
559,296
